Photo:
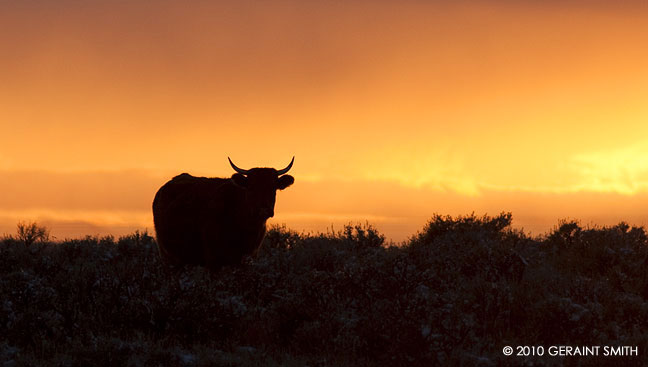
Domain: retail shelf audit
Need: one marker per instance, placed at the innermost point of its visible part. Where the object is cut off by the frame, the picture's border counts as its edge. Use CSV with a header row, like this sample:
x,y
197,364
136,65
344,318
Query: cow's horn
x,y
241,171
285,170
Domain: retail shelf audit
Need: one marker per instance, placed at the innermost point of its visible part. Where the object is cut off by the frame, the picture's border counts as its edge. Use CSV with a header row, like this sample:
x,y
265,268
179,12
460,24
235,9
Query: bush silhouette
x,y
455,293
32,232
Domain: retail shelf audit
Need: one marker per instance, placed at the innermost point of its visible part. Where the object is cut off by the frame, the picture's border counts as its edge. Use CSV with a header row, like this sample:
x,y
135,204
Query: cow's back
x,y
182,209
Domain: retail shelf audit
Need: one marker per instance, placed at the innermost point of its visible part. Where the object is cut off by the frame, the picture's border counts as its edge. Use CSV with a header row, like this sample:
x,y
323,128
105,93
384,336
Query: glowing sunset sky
x,y
395,110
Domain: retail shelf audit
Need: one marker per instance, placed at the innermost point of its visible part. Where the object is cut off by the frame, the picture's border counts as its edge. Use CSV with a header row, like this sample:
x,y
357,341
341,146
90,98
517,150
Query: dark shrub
x,y
455,294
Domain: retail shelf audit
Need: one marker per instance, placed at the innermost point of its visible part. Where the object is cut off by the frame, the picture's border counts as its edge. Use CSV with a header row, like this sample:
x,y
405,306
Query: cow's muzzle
x,y
266,213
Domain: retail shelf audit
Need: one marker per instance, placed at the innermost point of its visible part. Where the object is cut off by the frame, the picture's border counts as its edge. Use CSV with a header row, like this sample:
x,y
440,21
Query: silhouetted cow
x,y
216,221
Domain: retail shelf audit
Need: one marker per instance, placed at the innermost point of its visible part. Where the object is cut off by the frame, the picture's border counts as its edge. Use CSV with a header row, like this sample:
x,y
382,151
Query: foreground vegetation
x,y
454,294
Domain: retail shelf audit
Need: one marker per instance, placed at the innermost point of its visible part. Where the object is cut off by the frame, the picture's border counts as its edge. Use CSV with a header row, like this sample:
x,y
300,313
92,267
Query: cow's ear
x,y
240,179
285,181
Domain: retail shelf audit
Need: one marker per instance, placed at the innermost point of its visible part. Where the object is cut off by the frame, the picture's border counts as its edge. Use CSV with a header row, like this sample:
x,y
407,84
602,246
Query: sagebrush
x,y
454,294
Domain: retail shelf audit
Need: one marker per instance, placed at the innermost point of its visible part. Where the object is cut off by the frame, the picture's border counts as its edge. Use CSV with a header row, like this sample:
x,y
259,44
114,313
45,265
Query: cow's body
x,y
214,221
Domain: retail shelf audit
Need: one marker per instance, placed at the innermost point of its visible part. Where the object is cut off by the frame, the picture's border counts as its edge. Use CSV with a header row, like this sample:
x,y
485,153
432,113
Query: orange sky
x,y
394,110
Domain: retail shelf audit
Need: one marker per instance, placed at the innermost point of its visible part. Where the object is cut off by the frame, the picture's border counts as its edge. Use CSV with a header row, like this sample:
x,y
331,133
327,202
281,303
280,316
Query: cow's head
x,y
261,185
